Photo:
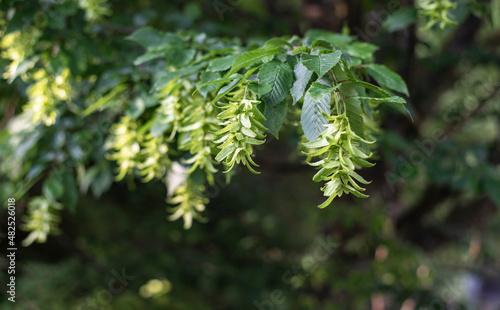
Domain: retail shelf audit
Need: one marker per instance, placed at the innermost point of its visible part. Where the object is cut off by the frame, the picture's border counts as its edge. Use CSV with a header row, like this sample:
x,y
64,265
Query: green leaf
x,y
222,80
135,108
361,50
276,42
147,37
312,118
353,110
279,76
179,56
259,88
169,76
160,125
301,49
392,99
53,187
302,77
400,106
221,51
274,117
387,78
374,88
117,90
353,105
335,39
249,58
153,39
400,19
224,90
148,56
208,77
103,179
70,195
221,64
321,43
396,101
292,60
318,91
321,64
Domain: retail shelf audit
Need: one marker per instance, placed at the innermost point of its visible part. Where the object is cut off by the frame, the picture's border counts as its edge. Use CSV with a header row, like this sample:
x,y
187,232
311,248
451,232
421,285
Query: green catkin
x,y
242,130
341,153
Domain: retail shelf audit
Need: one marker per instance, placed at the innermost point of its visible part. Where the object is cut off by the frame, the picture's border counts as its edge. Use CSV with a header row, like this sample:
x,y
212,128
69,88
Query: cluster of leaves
x,y
222,100
191,100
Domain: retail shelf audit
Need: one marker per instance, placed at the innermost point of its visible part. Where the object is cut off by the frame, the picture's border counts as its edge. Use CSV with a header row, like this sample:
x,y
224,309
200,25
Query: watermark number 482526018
x,y
11,249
